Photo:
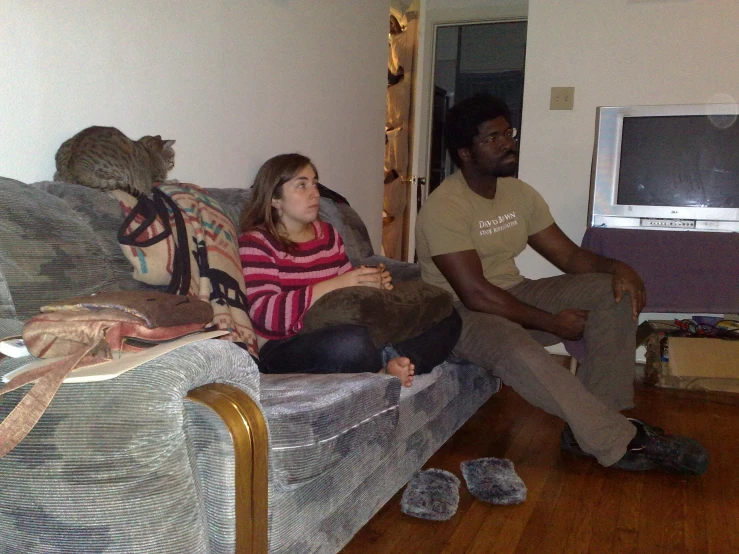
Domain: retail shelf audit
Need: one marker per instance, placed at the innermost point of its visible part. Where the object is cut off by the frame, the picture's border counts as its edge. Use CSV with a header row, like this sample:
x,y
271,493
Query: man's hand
x,y
626,279
554,245
570,324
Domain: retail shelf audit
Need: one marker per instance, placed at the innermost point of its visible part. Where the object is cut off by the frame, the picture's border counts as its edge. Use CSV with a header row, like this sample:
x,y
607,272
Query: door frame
x,y
429,21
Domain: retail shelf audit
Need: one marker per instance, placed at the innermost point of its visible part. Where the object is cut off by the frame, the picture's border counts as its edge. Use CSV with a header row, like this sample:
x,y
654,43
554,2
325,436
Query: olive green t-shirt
x,y
454,219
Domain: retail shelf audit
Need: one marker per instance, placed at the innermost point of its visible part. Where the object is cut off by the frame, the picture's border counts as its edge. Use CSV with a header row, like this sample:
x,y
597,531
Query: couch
x,y
197,452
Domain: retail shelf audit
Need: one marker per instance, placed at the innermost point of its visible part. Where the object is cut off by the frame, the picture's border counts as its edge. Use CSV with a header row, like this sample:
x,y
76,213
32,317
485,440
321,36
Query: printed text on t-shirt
x,y
498,224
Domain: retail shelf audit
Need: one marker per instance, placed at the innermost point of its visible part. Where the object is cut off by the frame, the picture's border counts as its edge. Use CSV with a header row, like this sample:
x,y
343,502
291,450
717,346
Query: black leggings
x,y
349,349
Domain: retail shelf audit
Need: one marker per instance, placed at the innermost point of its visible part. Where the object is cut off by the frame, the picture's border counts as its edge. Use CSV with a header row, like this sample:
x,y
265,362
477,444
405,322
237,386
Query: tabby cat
x,y
106,159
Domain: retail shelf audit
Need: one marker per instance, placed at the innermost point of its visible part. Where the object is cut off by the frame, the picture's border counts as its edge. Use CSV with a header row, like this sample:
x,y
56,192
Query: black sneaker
x,y
651,448
629,461
671,453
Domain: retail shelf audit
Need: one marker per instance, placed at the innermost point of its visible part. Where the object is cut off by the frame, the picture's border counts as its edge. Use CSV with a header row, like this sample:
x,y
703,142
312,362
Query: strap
x,y
29,410
180,283
146,208
151,211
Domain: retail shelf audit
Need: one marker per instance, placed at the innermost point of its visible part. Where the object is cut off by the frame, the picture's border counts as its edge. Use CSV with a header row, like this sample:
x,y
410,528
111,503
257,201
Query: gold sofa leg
x,y
248,431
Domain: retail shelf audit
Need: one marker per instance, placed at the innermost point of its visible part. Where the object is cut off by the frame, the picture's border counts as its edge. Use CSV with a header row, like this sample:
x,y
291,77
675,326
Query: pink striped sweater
x,y
279,285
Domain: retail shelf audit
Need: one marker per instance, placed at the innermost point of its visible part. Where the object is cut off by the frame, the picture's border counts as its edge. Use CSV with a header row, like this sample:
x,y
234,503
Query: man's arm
x,y
556,247
463,271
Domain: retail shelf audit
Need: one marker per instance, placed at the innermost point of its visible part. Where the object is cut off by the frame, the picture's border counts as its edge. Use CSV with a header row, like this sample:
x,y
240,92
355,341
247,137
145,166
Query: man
x,y
468,234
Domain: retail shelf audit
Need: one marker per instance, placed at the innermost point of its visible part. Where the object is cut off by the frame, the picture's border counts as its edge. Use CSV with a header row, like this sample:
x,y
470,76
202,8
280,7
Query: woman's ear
x,y
277,205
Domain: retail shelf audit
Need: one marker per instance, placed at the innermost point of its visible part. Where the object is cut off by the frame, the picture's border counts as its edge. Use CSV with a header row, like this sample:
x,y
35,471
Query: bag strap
x,y
151,210
180,283
144,207
28,411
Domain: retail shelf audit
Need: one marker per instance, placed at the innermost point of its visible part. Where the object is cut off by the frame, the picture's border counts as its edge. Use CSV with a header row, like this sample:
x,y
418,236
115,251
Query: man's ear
x,y
464,154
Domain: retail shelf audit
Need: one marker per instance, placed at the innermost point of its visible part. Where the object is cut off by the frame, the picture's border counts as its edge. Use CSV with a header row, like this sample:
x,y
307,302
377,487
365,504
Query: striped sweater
x,y
279,285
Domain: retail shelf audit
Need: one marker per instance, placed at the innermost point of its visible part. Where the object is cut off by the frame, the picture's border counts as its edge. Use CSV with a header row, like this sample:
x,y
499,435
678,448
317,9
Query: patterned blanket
x,y
215,268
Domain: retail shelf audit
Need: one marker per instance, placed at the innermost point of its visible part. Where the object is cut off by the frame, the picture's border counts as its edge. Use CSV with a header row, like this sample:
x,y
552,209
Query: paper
x,y
114,368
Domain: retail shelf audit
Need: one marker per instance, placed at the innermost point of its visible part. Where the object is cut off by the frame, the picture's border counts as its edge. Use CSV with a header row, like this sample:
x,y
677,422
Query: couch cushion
x,y
49,251
322,514
316,420
351,228
10,327
7,308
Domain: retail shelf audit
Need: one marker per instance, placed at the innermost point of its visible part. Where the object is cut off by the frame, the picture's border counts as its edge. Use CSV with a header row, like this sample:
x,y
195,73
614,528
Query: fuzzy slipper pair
x,y
434,493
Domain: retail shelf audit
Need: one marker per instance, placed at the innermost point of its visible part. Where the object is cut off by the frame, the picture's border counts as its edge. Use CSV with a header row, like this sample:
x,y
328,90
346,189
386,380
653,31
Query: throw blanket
x,y
215,268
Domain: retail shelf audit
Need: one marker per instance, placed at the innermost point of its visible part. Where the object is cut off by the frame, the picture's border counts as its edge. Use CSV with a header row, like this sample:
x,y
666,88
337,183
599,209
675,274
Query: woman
x,y
291,259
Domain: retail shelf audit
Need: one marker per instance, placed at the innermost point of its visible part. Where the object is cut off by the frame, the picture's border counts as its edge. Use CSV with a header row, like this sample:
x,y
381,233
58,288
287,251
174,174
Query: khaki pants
x,y
589,402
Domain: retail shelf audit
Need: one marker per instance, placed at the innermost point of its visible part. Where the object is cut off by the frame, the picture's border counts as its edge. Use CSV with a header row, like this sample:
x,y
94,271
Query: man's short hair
x,y
463,118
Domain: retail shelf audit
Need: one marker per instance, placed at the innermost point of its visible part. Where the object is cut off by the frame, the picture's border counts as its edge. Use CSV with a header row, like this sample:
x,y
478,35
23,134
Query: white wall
x,y
234,82
614,52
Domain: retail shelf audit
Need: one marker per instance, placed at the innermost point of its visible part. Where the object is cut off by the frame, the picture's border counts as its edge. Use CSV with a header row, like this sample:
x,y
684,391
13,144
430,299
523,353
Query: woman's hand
x,y
358,277
387,279
362,276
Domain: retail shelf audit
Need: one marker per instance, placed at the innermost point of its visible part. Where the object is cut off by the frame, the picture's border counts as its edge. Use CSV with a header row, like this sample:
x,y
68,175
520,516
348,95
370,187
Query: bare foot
x,y
402,368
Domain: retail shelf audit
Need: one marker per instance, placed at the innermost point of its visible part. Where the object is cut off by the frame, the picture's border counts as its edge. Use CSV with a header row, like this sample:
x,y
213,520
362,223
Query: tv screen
x,y
686,160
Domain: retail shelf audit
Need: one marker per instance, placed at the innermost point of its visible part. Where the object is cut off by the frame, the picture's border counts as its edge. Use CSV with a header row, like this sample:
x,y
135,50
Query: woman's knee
x,y
352,348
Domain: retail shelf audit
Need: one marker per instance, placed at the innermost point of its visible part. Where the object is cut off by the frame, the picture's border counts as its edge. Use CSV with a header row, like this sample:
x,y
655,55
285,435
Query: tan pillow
x,y
392,316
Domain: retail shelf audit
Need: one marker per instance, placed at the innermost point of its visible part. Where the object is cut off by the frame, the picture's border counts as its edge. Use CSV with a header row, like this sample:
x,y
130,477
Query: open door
x,y
430,103
399,128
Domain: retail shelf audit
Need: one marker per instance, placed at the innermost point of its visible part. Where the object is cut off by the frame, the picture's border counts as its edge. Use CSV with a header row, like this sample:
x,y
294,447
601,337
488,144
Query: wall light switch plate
x,y
563,98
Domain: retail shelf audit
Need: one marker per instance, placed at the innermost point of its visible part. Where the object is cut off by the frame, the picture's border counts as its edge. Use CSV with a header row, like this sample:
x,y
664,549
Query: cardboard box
x,y
690,362
702,357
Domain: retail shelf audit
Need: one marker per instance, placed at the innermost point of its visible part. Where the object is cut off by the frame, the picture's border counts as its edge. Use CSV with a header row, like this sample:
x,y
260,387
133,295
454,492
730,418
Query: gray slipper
x,y
431,494
494,480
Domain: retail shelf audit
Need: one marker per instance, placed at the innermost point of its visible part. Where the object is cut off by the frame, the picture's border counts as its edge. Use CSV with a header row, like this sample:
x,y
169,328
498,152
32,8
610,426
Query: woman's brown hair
x,y
259,212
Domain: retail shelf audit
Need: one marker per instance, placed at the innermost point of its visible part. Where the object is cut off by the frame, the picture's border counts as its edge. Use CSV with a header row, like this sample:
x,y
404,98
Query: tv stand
x,y
685,272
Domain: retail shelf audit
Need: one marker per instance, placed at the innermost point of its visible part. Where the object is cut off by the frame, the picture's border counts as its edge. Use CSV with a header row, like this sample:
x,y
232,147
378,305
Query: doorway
x,y
461,52
470,59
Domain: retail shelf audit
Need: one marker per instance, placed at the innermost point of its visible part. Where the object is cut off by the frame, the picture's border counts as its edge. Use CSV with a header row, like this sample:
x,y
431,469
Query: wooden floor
x,y
575,505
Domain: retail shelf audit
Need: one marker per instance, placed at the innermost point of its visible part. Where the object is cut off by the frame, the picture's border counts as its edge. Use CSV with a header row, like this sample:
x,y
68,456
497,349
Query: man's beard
x,y
502,169
509,170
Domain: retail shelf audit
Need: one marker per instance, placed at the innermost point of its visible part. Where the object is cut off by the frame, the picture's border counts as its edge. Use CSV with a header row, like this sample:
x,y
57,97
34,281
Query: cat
x,y
106,159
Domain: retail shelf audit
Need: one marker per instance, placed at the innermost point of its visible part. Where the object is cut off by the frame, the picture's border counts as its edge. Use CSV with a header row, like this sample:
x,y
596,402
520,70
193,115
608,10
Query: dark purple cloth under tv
x,y
684,271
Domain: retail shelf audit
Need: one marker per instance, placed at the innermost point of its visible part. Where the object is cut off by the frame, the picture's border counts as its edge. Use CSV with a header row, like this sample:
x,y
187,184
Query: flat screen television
x,y
666,167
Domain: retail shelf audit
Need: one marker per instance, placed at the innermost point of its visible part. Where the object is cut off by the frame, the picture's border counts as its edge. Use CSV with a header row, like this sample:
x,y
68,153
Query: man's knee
x,y
491,339
599,288
604,306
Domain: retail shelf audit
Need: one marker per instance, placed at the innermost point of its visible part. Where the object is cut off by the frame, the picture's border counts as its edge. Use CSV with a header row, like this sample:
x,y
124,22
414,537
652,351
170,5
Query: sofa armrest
x,y
248,429
109,466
